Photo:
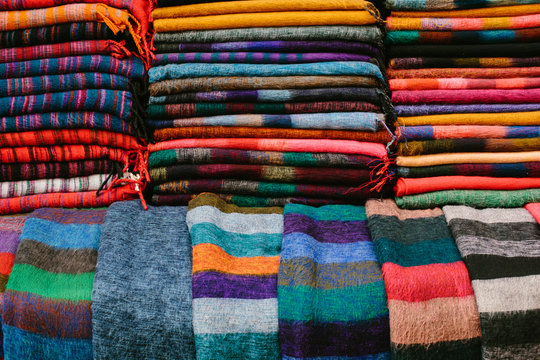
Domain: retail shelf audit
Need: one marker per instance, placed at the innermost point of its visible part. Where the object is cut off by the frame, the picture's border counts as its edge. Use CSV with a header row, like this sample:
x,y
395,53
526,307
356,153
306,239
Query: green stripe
x,y
74,287
162,158
329,212
442,251
402,37
304,303
252,346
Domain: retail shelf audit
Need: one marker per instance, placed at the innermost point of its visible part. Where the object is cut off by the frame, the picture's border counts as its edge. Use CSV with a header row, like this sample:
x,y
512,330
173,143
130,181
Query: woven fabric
x,y
505,271
128,307
46,307
488,118
428,132
417,5
234,279
332,302
59,153
468,73
474,11
44,170
462,84
413,148
525,169
534,209
487,96
512,49
471,157
456,24
409,37
414,110
433,311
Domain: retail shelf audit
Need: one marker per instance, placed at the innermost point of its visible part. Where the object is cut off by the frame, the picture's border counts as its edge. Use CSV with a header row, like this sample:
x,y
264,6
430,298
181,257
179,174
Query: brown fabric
x,y
207,199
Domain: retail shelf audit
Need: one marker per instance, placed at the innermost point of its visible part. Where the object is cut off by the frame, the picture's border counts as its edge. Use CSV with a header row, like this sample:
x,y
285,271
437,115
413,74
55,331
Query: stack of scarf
x,y
501,248
239,72
332,302
71,120
465,81
433,311
234,280
46,307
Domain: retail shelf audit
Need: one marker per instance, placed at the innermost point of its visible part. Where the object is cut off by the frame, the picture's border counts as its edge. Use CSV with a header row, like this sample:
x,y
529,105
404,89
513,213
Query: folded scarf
x,y
474,198
534,209
211,132
474,10
428,132
494,62
369,34
463,84
61,153
418,5
326,94
34,170
269,19
433,311
486,96
406,186
511,49
455,24
256,57
462,37
137,246
526,169
168,87
186,110
471,157
46,307
286,174
436,146
130,67
471,73
332,301
231,156
505,271
11,189
498,118
234,279
335,120
414,110
179,71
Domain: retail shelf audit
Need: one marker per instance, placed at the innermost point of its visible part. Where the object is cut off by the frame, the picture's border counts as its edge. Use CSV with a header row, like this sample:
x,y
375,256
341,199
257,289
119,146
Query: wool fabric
x,y
472,157
413,148
487,96
409,37
456,24
39,154
44,170
511,49
524,169
462,84
497,118
428,132
468,73
475,11
431,5
414,110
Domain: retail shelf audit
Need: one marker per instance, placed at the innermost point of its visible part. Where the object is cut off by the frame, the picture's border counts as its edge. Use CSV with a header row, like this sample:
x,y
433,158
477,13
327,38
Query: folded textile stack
x,y
71,80
268,102
465,81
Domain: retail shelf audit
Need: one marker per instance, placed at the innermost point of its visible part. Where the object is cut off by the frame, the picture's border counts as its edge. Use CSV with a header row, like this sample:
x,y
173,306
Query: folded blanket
x,y
460,84
369,34
486,96
410,37
35,170
414,110
467,62
128,307
406,186
534,209
526,169
433,311
412,148
456,24
427,132
415,5
474,198
511,49
46,307
332,302
472,157
475,9
234,279
505,271
10,189
470,73
178,71
37,154
489,118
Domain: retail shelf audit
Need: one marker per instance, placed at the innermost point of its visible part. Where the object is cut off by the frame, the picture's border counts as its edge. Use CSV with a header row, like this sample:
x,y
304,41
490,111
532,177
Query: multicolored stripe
x,y
463,84
429,132
486,96
437,146
455,24
418,5
34,171
524,169
463,62
409,37
10,189
441,109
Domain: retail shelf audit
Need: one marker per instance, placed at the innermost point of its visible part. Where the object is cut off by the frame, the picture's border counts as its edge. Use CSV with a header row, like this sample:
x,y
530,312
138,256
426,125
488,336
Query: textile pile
x,y
71,89
266,102
465,81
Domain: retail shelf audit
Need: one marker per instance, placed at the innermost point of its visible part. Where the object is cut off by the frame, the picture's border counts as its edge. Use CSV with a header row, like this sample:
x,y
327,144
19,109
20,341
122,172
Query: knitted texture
x,y
433,311
46,307
501,248
234,279
332,302
143,285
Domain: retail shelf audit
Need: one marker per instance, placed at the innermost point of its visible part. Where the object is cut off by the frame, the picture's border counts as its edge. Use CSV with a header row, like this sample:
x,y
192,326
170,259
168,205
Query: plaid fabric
x,y
65,120
61,153
429,132
33,171
130,67
437,146
529,169
52,83
10,189
408,37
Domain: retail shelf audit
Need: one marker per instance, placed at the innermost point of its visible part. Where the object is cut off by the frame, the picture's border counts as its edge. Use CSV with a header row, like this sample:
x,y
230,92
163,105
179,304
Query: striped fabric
x,y
408,37
416,110
419,5
469,62
37,154
332,302
43,170
456,24
501,248
524,169
246,200
433,311
428,132
46,309
234,281
438,146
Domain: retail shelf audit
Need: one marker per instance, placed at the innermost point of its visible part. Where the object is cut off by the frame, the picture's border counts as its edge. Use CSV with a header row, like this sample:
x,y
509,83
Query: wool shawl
x,y
431,5
332,301
534,209
510,49
130,67
414,110
505,272
172,157
234,279
465,84
128,307
335,68
36,154
46,307
455,24
34,171
369,34
468,73
489,118
433,311
470,157
475,11
406,186
489,62
175,86
486,96
525,169
410,37
474,198
429,132
412,148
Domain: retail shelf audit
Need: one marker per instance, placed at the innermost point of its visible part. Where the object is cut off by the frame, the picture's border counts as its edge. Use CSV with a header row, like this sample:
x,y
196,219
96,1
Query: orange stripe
x,y
6,263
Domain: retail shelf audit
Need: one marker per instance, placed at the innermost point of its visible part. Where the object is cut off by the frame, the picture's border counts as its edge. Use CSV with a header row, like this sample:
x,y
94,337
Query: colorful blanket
x,y
436,146
513,49
429,132
433,311
486,96
129,307
408,37
456,24
439,109
481,118
234,279
46,307
463,84
332,302
418,5
525,169
10,189
505,272
468,73
44,170
470,157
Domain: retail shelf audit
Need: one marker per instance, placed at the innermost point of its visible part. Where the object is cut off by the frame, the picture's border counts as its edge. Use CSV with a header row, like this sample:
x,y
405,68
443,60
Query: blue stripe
x,y
65,236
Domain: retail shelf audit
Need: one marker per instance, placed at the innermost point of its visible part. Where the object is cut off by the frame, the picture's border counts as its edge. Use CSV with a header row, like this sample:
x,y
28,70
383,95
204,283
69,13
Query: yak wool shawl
x,y
534,209
46,307
475,9
234,279
430,132
456,24
525,169
433,311
501,248
415,110
437,146
471,157
464,84
332,301
35,154
431,5
35,171
410,37
489,118
467,62
486,96
141,304
468,73
511,49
